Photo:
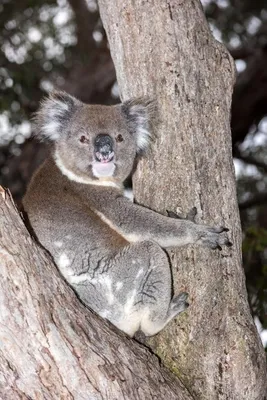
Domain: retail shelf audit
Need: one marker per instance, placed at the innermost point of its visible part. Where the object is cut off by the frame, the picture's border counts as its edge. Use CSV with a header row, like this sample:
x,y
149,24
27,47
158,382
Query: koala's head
x,y
95,143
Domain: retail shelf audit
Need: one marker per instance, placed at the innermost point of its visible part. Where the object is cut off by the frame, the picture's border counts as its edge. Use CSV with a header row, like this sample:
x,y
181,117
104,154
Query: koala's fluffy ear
x,y
140,114
54,113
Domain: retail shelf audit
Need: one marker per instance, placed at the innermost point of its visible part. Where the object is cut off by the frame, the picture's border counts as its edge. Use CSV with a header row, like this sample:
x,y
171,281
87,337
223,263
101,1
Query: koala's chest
x,y
76,225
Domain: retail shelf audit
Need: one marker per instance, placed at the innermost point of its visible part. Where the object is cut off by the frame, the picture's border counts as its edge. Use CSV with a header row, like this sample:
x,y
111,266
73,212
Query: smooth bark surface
x,y
164,49
51,346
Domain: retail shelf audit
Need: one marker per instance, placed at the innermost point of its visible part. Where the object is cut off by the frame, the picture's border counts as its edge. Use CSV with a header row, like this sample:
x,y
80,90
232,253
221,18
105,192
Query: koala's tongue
x,y
102,169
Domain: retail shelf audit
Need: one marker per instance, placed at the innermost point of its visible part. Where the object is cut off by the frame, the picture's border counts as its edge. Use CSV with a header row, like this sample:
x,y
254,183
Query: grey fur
x,y
109,249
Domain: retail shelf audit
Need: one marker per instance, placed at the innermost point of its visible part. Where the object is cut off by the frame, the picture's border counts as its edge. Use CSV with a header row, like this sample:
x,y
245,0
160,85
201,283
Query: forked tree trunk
x,y
164,49
51,346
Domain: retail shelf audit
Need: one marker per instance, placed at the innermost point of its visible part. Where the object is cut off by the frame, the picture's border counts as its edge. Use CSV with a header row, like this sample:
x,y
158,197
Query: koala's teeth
x,y
104,158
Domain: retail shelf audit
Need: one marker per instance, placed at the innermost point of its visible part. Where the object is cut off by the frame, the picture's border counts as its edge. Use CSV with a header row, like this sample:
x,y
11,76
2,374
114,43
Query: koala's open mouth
x,y
104,157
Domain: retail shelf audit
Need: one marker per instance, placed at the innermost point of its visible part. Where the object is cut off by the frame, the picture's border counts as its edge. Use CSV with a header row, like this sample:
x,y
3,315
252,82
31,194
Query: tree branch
x,y
54,347
156,54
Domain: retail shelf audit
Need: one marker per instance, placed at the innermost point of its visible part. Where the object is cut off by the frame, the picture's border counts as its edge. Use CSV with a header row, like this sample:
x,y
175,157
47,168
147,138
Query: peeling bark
x,y
164,49
51,346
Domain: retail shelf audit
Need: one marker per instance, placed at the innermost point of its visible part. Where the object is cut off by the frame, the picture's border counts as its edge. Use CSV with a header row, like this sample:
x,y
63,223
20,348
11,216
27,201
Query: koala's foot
x,y
155,323
178,304
214,237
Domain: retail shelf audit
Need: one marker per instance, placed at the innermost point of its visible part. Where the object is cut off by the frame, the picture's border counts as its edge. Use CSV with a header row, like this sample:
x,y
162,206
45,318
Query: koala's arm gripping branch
x,y
136,223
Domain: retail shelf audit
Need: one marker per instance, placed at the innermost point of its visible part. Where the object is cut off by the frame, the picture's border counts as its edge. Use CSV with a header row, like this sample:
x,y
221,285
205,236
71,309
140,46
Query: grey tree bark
x,y
164,49
51,346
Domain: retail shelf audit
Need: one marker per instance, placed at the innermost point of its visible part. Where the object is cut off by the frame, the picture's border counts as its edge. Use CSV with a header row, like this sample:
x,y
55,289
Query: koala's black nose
x,y
103,143
104,147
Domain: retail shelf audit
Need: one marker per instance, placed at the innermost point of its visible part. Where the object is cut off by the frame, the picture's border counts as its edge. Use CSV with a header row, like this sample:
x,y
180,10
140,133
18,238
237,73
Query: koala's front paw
x,y
214,237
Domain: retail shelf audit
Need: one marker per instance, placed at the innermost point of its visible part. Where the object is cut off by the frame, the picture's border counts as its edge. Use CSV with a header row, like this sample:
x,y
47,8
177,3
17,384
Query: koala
x,y
109,249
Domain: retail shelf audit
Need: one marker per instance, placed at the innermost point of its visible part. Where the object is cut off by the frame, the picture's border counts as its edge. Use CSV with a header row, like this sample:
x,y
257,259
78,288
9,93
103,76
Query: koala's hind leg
x,y
154,323
146,302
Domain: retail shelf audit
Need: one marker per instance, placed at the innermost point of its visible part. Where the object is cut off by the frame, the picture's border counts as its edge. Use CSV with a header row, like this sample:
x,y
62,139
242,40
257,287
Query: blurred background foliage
x,y
46,44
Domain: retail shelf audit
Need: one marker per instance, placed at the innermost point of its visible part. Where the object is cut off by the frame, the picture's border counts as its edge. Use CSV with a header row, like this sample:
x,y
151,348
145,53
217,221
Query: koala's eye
x,y
83,139
119,138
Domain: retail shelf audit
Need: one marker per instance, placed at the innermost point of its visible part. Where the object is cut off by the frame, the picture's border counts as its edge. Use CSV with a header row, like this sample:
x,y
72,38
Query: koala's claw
x,y
190,216
181,297
218,229
179,303
215,238
172,214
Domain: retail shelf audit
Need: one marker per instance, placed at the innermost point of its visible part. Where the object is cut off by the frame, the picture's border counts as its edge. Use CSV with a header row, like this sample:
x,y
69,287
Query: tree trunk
x,y
164,49
51,346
